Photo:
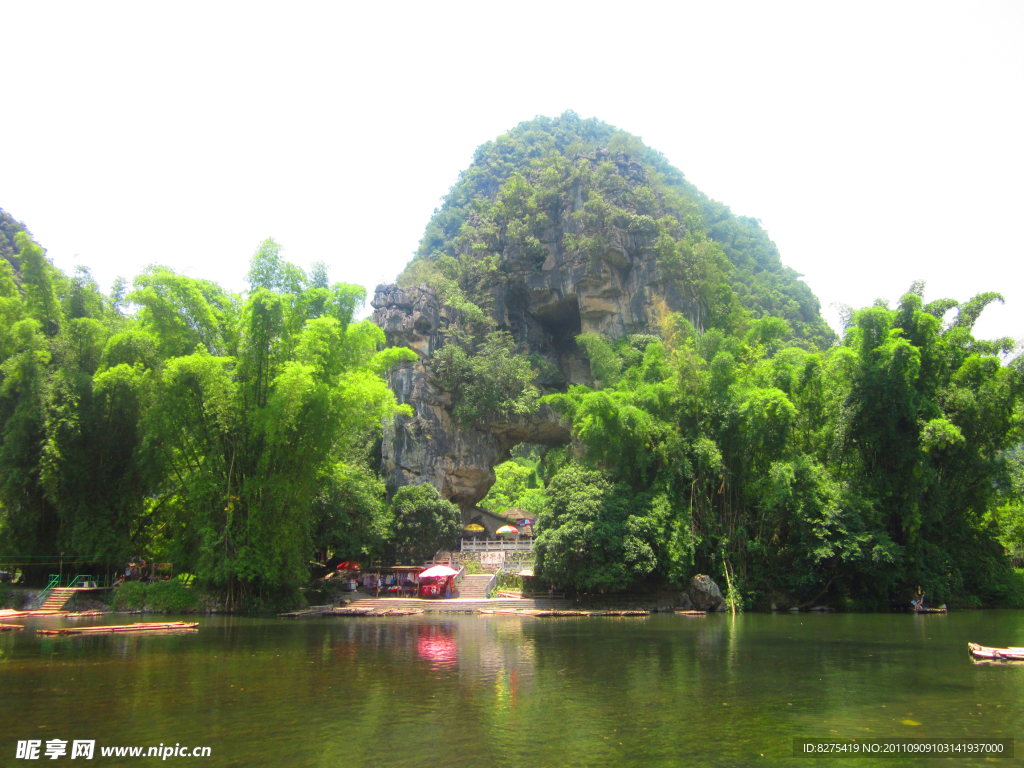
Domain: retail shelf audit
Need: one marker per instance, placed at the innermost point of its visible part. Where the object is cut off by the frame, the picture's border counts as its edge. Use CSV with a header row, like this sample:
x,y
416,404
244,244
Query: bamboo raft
x,y
940,609
313,610
10,627
547,614
372,612
505,612
690,613
996,654
172,626
83,614
9,614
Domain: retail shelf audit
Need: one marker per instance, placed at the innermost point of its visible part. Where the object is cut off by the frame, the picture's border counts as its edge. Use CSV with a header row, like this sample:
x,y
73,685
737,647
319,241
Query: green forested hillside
x,y
505,204
9,227
753,448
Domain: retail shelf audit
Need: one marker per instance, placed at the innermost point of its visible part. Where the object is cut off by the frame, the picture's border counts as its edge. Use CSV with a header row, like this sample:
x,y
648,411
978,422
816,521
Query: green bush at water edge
x,y
167,596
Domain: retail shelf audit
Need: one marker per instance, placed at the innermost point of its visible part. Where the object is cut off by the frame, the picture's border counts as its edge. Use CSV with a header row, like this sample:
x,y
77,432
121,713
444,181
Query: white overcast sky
x,y
878,143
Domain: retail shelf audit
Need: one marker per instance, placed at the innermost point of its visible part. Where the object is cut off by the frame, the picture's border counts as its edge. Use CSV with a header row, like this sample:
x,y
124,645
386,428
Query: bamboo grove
x,y
853,474
230,435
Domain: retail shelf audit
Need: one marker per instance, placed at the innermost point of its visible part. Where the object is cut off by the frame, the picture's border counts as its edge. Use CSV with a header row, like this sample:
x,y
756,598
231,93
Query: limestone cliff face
x,y
545,304
431,447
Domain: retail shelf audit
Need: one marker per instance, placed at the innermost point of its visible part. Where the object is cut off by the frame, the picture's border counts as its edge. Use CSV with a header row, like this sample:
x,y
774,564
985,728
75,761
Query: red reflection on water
x,y
436,645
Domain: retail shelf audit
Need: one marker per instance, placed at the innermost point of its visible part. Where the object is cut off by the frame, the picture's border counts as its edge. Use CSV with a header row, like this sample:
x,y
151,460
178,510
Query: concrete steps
x,y
473,586
57,599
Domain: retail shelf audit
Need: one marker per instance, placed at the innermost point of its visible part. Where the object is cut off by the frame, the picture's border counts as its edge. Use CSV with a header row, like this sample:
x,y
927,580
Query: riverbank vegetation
x,y
853,473
159,597
231,435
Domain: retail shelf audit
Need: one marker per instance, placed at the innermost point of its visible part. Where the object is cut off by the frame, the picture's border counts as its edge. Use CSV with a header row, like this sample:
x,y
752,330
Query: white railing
x,y
496,545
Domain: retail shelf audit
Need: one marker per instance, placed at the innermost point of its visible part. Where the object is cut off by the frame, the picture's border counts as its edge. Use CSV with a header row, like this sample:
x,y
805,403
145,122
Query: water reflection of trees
x,y
663,691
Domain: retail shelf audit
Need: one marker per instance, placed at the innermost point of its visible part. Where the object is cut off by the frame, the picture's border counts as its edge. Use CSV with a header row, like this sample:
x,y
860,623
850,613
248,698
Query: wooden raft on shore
x,y
171,626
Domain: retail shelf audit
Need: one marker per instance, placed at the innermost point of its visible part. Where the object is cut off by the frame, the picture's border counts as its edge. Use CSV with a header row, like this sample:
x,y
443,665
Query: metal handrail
x,y
54,582
87,578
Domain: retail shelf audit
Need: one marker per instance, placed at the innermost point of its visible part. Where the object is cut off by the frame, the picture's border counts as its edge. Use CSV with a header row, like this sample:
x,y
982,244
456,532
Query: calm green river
x,y
446,690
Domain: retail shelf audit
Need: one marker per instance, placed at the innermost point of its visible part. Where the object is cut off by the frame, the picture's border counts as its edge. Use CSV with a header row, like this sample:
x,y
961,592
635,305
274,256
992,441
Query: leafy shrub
x,y
171,596
165,596
423,523
130,596
493,382
510,581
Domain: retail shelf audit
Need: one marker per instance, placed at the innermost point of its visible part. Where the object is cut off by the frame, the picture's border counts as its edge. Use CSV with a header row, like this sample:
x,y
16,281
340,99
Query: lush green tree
x,y
350,516
423,523
248,440
517,486
30,518
595,536
491,382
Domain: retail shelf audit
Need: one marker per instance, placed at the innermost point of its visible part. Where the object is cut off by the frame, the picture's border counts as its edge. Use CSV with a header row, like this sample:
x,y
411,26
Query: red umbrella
x,y
438,571
348,565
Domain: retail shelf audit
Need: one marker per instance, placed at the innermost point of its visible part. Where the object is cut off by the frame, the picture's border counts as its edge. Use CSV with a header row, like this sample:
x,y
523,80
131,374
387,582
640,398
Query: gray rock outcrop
x,y
431,447
705,594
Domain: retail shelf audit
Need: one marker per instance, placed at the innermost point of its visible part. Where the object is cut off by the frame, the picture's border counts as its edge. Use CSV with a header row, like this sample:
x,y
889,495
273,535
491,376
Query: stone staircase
x,y
473,586
57,599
